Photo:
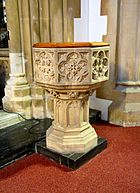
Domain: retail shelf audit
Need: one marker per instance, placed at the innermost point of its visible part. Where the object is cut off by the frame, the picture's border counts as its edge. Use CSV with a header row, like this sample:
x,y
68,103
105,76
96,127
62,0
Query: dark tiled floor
x,y
19,140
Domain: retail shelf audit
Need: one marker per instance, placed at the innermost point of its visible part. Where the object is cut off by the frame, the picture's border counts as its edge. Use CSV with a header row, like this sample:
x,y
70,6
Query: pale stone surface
x,y
38,101
4,52
56,24
125,109
71,10
49,106
70,75
17,96
13,26
16,60
26,36
44,21
8,119
74,66
42,103
71,131
128,56
17,91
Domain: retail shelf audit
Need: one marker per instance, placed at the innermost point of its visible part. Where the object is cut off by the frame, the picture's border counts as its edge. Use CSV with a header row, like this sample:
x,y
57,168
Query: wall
x,y
91,27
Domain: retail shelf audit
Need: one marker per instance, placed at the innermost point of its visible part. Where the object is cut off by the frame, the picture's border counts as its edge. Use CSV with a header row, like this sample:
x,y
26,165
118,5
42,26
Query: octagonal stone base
x,y
66,140
17,95
125,109
71,131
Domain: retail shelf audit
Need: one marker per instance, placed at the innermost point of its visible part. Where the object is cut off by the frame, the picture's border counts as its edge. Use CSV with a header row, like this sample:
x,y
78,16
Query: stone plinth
x,y
17,91
70,72
125,109
17,95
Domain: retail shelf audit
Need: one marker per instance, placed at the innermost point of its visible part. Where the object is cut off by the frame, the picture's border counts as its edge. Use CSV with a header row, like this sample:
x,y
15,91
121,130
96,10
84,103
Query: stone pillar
x,y
27,35
71,132
71,10
56,21
17,90
125,109
44,20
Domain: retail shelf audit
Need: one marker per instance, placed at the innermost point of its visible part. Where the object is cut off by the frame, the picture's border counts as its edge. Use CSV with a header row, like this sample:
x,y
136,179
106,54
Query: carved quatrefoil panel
x,y
73,67
44,66
100,65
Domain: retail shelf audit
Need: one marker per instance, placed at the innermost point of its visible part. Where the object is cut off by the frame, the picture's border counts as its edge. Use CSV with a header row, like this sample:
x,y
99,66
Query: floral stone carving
x,y
44,66
70,72
73,67
100,64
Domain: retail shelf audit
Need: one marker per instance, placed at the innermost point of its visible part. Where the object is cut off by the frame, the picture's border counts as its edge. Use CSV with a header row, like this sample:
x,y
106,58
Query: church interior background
x,y
117,101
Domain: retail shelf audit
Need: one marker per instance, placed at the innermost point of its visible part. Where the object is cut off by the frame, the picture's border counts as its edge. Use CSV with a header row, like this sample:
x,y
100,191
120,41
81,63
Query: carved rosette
x,y
73,95
100,65
73,67
44,66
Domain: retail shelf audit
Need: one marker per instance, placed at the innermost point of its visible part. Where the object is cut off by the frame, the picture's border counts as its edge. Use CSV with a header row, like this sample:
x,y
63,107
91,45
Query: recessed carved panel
x,y
44,66
100,65
73,67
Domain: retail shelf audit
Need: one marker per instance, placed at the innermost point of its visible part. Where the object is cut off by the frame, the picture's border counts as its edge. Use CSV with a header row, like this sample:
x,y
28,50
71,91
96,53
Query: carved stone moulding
x,y
70,72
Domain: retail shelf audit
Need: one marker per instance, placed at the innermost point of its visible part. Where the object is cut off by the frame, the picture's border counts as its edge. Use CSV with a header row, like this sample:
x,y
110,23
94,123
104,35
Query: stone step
x,y
8,119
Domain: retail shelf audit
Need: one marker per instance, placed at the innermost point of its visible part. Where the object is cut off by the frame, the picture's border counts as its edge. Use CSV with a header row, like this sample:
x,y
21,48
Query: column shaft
x,y
26,37
17,90
15,52
128,47
56,20
125,109
44,20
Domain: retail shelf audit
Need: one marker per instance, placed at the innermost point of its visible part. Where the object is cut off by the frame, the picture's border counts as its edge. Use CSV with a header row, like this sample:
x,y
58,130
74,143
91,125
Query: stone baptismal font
x,y
70,72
